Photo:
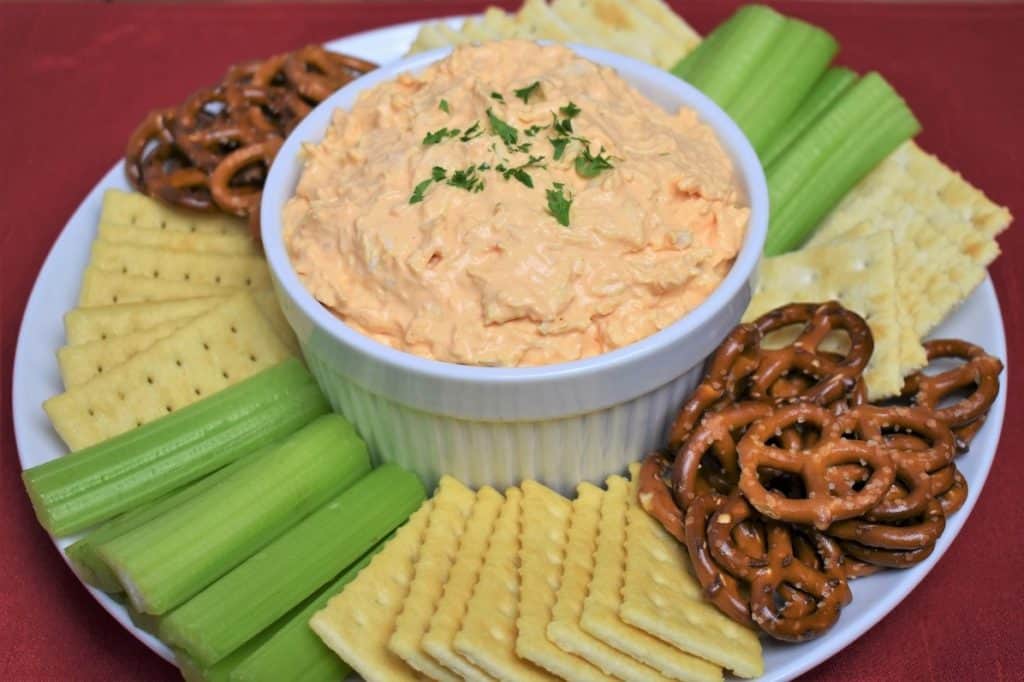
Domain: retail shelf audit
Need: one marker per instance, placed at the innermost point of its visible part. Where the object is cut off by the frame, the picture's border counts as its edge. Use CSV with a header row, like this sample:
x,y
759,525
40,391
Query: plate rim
x,y
801,663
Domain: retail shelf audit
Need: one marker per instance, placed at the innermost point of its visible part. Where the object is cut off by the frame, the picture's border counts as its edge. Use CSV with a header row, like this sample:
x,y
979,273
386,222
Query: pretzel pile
x,y
214,151
784,483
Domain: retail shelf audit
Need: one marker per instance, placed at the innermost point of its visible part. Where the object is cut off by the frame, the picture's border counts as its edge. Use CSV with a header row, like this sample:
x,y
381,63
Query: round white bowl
x,y
559,424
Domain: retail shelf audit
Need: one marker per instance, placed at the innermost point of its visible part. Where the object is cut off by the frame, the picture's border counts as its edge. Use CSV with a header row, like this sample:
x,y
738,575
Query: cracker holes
x,y
124,269
168,408
206,346
149,380
114,298
216,280
192,227
138,422
248,281
132,219
99,369
178,362
197,391
225,374
234,329
163,224
252,357
92,412
188,277
103,336
156,274
120,396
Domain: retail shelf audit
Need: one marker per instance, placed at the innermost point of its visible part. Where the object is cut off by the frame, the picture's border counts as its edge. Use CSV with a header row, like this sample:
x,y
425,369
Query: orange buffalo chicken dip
x,y
512,205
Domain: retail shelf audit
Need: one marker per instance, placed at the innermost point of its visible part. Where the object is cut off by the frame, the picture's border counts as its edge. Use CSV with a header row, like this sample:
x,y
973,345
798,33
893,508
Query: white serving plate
x,y
36,378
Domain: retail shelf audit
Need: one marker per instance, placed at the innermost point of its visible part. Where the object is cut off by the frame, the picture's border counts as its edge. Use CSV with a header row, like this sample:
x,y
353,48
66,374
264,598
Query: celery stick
x,y
257,592
167,560
781,80
705,50
832,84
295,652
98,483
723,71
874,139
799,164
82,553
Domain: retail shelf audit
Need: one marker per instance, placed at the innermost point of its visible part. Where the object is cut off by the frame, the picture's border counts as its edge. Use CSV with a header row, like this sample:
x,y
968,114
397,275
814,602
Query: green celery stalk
x,y
799,164
257,592
98,483
832,84
781,80
705,50
724,70
167,560
294,651
875,138
82,553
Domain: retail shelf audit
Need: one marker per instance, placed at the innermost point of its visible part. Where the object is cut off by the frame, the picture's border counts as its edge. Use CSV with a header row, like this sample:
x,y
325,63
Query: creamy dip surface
x,y
435,217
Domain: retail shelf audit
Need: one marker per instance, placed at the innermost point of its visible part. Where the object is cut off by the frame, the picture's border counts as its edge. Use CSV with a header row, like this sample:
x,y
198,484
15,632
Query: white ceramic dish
x,y
36,378
558,424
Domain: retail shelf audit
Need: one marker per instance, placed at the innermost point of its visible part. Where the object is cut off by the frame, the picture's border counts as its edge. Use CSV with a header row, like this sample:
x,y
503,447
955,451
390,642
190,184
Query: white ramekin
x,y
559,424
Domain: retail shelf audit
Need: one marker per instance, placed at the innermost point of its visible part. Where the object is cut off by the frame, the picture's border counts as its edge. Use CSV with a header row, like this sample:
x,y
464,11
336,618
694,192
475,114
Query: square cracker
x,y
661,596
221,347
85,325
564,629
103,288
357,623
249,272
861,275
600,617
230,244
545,522
86,361
439,639
138,210
452,505
488,633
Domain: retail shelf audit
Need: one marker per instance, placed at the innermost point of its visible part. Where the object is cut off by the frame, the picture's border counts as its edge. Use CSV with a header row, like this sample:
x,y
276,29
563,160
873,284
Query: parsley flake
x,y
558,203
437,173
559,144
507,133
519,172
589,166
439,135
418,190
570,110
533,130
472,132
467,179
497,96
524,93
443,106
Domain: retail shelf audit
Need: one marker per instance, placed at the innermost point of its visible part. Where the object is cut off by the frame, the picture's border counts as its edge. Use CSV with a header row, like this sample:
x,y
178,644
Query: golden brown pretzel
x,y
979,374
235,197
823,504
656,499
833,378
708,456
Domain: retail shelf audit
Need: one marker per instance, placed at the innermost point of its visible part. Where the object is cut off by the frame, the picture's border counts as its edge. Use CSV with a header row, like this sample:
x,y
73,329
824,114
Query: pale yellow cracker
x,y
102,288
132,208
231,244
81,363
600,617
357,623
540,21
488,633
439,639
661,595
218,348
564,629
83,325
861,275
613,28
452,505
179,266
475,30
266,299
544,525
685,37
911,185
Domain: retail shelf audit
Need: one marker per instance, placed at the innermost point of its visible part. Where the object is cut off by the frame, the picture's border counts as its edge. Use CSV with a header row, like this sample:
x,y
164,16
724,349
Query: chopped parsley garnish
x,y
570,110
507,133
559,144
558,203
443,106
497,96
524,93
589,166
468,179
418,190
437,173
533,130
562,126
519,172
439,135
472,132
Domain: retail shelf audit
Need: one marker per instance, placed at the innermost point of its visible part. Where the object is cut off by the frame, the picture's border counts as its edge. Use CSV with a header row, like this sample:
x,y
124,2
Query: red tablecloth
x,y
77,78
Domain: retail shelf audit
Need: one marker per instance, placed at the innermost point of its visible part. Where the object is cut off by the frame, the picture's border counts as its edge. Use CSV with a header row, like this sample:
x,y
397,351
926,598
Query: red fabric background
x,y
77,78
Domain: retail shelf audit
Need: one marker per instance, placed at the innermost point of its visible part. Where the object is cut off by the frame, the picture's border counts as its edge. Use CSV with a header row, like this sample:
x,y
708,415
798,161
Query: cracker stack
x,y
905,247
530,586
173,306
645,29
